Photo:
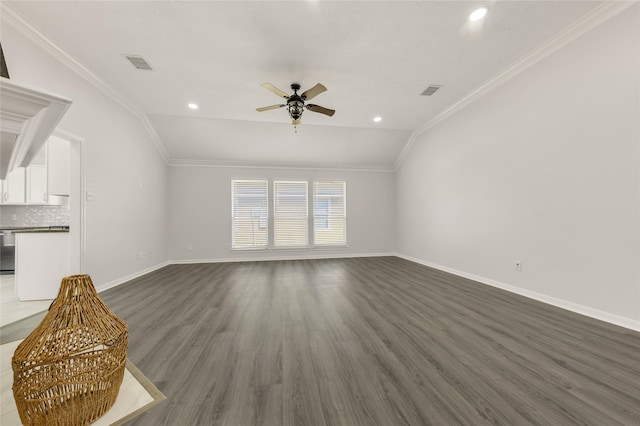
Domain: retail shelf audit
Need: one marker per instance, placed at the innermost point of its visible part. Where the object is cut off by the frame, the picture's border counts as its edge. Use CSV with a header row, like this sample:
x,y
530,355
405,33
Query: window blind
x,y
329,213
249,214
290,214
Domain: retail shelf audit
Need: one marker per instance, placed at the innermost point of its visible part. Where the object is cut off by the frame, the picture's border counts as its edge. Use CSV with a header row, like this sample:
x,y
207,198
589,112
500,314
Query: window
x,y
321,213
290,214
329,213
249,214
256,225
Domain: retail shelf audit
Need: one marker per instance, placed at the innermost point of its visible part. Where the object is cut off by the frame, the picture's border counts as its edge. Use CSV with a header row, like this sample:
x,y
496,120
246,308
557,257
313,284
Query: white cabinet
x,y
58,166
36,185
27,184
42,260
46,176
36,179
13,187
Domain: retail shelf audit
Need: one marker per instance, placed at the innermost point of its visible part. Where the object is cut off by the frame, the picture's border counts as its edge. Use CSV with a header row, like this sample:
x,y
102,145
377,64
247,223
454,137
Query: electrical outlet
x,y
518,266
91,196
14,217
189,247
139,255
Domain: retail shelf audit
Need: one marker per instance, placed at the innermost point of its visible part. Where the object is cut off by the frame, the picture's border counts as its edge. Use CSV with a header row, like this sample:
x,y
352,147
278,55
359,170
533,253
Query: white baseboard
x,y
142,272
282,257
560,303
130,277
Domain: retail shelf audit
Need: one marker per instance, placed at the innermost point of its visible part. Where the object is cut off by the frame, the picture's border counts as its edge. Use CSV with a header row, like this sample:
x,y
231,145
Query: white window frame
x,y
311,216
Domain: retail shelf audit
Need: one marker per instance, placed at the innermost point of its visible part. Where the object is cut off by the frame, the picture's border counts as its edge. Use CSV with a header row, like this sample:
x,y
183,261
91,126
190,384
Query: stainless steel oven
x,y
7,251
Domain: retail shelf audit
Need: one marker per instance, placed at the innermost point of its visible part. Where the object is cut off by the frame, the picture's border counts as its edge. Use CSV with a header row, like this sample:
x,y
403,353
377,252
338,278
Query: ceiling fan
x,y
296,103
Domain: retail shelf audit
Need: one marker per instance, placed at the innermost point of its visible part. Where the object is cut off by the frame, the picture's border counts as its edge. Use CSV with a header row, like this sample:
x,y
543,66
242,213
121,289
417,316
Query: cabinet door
x,y
37,184
58,164
13,187
36,178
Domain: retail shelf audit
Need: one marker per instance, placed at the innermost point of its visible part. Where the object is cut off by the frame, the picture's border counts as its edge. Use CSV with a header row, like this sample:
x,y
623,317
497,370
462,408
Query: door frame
x,y
77,211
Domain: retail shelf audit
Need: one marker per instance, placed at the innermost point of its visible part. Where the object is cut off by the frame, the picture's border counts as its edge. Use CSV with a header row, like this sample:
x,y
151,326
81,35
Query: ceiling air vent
x,y
431,90
139,62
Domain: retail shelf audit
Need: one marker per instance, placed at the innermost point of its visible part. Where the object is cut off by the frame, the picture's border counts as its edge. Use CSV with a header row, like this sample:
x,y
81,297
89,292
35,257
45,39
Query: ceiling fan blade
x,y
321,110
268,108
313,92
275,90
294,122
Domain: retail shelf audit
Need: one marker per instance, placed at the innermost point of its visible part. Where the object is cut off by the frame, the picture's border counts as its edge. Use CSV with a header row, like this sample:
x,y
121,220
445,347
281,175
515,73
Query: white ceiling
x,y
375,58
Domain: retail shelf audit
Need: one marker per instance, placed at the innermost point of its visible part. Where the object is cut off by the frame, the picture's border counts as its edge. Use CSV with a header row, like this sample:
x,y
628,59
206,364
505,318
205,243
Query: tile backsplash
x,y
34,215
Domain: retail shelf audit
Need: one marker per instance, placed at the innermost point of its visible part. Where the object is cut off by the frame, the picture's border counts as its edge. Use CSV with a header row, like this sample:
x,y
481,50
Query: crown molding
x,y
589,21
281,166
14,19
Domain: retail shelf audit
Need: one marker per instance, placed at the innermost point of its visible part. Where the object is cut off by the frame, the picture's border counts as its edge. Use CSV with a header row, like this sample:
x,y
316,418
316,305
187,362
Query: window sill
x,y
343,246
272,249
251,249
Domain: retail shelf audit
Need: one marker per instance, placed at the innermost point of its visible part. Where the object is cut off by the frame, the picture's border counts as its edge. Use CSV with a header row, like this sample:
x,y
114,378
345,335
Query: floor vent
x,y
431,90
139,62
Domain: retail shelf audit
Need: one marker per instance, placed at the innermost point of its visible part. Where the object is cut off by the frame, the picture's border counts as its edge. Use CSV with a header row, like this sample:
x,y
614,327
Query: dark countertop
x,y
39,231
33,229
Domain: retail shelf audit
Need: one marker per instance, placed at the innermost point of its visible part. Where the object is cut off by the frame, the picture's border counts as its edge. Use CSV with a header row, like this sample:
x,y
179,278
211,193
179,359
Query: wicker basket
x,y
68,371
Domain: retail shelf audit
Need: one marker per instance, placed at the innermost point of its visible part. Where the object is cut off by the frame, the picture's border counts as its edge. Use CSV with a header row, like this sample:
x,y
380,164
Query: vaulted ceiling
x,y
375,58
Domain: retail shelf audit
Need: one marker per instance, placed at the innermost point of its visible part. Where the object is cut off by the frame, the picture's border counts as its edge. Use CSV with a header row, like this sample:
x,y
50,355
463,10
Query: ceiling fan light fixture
x,y
296,108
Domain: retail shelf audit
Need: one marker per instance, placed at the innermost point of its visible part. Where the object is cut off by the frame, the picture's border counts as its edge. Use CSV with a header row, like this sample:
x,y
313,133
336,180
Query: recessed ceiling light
x,y
377,119
478,14
193,106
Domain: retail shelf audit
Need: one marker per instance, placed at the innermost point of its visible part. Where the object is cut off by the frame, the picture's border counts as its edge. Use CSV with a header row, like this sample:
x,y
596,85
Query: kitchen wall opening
x,y
41,200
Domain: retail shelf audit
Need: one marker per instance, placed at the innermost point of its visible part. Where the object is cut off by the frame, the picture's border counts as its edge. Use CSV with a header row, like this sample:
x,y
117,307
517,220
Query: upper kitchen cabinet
x,y
27,184
44,181
13,187
58,166
36,179
28,116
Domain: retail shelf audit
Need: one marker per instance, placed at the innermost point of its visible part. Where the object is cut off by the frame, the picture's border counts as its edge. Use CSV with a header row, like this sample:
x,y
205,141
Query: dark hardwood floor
x,y
368,341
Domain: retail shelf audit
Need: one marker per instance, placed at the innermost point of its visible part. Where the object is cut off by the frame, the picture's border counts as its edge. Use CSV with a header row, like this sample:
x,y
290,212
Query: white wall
x,y
123,168
200,212
544,170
